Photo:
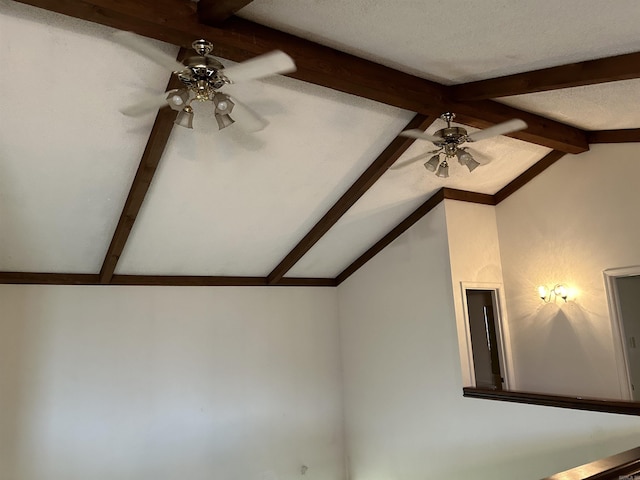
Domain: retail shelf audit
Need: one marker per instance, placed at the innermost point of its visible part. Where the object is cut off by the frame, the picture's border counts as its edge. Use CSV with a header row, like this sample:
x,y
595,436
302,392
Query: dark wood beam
x,y
470,197
156,144
380,165
630,135
212,281
402,227
28,278
214,12
528,175
176,22
611,69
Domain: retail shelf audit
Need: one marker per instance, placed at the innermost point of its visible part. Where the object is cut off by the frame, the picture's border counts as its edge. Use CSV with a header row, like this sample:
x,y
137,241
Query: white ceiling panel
x,y
606,106
230,203
400,192
460,41
67,156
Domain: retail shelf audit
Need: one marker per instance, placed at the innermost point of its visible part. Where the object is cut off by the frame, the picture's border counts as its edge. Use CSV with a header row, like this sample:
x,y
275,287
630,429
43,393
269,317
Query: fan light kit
x,y
203,76
449,141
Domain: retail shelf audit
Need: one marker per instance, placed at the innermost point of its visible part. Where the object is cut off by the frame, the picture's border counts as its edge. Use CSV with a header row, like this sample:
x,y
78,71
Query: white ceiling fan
x,y
203,76
449,141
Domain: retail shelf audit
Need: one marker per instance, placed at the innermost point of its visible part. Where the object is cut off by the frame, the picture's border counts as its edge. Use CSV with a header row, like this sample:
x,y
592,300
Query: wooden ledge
x,y
576,403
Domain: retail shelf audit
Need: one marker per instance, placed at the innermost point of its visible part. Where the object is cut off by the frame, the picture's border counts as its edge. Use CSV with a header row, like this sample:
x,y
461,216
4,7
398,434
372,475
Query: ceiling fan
x,y
203,76
448,141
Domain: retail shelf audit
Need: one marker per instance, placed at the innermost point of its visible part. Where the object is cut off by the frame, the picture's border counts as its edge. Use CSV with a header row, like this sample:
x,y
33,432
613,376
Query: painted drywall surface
x,y
405,415
165,383
576,219
474,256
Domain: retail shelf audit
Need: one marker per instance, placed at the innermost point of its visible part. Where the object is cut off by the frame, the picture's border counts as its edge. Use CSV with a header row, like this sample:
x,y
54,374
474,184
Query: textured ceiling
x,y
231,203
458,41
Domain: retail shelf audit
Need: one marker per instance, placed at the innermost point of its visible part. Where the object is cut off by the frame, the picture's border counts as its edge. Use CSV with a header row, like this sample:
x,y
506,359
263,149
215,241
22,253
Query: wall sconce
x,y
558,291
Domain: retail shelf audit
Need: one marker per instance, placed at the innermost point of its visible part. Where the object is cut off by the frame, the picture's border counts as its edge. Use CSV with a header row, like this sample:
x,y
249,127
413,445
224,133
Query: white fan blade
x,y
499,129
271,63
138,45
246,118
410,161
146,105
420,135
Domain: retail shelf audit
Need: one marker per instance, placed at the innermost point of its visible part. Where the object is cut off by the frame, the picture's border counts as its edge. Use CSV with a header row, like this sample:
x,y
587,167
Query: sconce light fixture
x,y
558,291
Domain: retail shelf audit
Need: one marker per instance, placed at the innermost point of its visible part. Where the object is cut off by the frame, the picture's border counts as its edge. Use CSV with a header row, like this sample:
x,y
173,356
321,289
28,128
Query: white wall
x,y
474,257
576,219
404,411
165,383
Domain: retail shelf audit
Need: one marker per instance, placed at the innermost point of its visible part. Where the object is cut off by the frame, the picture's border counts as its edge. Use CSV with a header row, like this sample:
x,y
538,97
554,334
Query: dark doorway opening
x,y
481,309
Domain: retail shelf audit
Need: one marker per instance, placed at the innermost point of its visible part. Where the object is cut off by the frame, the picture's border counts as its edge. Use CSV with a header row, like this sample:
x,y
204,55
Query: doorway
x,y
486,339
623,291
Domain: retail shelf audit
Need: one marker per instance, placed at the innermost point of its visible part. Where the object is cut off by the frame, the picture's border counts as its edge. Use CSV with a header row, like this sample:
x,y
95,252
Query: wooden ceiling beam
x,y
176,22
30,278
153,151
214,12
611,69
389,155
630,135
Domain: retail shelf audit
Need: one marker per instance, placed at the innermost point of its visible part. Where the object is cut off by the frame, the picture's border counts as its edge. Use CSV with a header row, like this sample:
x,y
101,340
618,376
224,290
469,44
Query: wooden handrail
x,y
622,466
576,403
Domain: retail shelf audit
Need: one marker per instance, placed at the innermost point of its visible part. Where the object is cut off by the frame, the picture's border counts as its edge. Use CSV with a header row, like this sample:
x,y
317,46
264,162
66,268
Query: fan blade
x,y
270,63
420,135
146,105
499,129
246,118
138,45
410,161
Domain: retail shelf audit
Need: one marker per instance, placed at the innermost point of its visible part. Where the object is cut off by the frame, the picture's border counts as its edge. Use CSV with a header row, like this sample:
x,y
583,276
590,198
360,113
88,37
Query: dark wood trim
x,y
609,468
305,282
187,281
528,175
214,12
402,227
176,22
591,72
629,135
27,278
576,403
470,197
153,151
212,281
379,166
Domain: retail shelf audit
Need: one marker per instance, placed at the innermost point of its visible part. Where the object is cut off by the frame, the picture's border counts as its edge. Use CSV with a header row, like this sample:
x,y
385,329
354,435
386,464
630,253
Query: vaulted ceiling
x,y
89,196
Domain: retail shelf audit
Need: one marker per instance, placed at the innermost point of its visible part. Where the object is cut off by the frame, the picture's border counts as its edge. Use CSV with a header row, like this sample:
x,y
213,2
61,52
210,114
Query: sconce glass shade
x,y
472,164
561,291
542,292
185,117
558,291
443,170
432,164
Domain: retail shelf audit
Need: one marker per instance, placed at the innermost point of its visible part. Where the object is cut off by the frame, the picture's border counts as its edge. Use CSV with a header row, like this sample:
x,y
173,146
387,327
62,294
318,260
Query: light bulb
x,y
222,105
543,292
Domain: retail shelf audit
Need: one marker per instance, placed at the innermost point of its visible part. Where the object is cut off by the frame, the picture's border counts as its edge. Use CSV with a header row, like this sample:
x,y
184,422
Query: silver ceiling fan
x,y
449,141
203,76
